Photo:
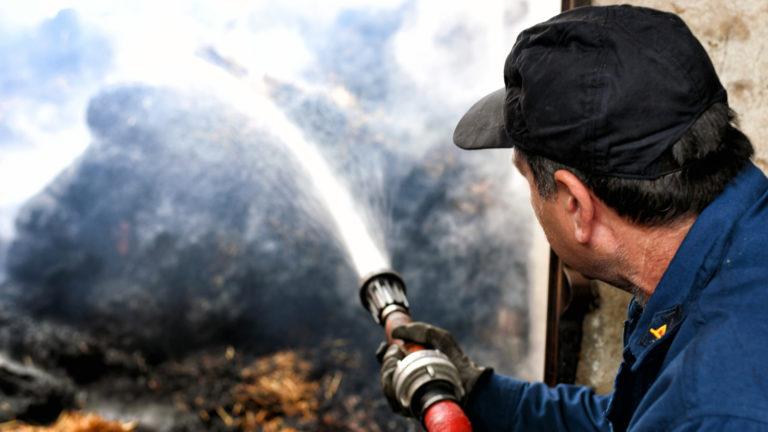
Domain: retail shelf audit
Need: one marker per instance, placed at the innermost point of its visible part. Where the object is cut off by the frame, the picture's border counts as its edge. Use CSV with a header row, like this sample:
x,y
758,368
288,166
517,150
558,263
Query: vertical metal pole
x,y
554,309
555,287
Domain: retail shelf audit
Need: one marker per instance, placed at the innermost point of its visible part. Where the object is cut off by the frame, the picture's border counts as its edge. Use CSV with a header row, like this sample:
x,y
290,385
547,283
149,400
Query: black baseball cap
x,y
606,90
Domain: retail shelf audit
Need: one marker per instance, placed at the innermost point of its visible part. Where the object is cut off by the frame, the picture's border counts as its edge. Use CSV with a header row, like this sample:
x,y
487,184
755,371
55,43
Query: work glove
x,y
388,356
430,337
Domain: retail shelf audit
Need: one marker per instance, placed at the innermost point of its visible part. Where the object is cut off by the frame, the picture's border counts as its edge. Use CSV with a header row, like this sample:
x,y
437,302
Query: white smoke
x,y
448,52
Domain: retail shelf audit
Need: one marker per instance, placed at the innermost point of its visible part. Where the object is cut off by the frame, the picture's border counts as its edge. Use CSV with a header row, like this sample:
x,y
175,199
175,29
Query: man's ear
x,y
578,204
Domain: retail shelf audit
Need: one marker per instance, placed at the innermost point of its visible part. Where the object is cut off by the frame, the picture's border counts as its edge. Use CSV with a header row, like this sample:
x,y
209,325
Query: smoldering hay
x,y
182,225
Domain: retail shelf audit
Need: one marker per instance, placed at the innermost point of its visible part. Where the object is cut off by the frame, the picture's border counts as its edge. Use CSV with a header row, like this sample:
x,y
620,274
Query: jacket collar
x,y
694,263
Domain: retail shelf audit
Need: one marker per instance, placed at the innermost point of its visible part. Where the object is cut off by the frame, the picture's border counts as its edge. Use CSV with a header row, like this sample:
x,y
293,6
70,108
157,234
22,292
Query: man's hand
x,y
388,356
430,337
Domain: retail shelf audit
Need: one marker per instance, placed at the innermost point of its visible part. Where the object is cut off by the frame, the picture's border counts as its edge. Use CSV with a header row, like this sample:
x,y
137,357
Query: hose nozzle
x,y
382,293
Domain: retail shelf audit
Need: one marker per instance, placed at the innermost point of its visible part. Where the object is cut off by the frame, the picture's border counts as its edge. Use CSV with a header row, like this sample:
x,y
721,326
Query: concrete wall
x,y
735,34
601,338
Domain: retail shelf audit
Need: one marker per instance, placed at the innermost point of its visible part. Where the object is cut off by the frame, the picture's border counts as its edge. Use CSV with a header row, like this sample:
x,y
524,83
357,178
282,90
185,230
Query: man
x,y
621,126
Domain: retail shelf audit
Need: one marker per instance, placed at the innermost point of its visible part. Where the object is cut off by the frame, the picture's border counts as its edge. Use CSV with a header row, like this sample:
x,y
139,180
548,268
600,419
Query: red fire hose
x,y
432,389
446,416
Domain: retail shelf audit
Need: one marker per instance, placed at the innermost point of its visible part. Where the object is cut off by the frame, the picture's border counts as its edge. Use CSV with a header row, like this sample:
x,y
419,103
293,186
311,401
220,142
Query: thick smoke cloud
x,y
179,227
184,224
185,219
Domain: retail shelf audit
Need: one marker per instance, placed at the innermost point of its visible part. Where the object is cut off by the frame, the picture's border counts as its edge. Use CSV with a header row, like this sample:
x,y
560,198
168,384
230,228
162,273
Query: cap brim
x,y
483,125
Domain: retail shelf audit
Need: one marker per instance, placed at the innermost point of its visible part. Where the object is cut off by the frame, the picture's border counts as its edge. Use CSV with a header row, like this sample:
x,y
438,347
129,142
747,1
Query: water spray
x,y
246,93
429,384
426,382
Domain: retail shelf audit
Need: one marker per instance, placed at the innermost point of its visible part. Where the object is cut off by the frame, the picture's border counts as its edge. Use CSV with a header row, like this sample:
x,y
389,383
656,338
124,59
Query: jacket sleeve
x,y
500,403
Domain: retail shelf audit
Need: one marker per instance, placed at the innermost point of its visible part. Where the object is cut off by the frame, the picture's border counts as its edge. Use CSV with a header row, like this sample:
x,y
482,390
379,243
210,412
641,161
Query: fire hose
x,y
426,382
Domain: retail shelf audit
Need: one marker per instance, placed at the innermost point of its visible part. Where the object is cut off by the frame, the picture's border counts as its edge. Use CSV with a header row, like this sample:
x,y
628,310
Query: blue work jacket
x,y
695,359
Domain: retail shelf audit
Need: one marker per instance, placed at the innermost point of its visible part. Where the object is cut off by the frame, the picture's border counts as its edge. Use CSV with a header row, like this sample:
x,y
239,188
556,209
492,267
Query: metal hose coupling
x,y
424,378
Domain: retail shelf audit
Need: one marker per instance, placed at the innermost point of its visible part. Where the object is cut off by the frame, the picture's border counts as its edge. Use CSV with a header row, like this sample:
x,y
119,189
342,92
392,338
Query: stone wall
x,y
732,33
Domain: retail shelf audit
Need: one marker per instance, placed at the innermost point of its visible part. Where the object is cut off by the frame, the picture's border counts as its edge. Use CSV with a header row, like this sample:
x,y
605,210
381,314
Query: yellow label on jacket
x,y
659,332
